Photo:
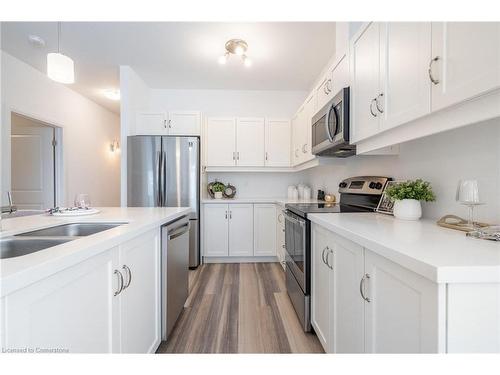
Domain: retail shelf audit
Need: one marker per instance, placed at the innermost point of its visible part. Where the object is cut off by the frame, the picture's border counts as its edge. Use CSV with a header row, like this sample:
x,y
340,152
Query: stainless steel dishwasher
x,y
174,272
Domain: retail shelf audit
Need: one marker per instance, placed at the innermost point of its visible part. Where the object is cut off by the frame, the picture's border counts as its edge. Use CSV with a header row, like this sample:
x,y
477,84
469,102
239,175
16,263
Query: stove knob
x,y
378,185
342,185
372,185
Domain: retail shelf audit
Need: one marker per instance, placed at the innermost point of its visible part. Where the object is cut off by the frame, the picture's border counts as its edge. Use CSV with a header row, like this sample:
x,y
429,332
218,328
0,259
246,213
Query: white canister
x,y
300,188
295,194
307,193
291,188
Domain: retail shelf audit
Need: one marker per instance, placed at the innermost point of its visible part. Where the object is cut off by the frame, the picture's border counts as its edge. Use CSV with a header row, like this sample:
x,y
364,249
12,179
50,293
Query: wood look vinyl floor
x,y
239,308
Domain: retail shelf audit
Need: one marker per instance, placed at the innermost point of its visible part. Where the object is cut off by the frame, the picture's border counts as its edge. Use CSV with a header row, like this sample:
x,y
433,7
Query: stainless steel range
x,y
357,194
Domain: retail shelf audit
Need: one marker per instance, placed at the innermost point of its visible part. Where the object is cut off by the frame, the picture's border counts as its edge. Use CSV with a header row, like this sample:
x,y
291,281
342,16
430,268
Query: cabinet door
x,y
321,286
151,123
324,91
340,75
296,137
308,113
265,230
365,55
280,236
278,143
468,62
221,142
216,230
184,123
241,230
402,315
348,306
140,299
405,83
74,310
250,134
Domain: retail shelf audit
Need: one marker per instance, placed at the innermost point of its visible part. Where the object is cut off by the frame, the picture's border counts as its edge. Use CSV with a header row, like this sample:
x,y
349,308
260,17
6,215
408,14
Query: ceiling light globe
x,y
247,62
60,68
239,50
222,59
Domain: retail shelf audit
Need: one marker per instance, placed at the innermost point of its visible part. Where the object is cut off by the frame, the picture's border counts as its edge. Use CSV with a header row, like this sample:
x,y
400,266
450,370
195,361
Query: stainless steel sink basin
x,y
71,230
14,247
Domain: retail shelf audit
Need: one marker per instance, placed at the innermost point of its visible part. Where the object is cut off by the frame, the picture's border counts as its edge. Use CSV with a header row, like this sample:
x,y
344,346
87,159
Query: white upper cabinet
x,y
151,123
241,232
265,230
405,52
465,61
296,137
365,82
168,123
277,144
221,141
324,91
340,75
184,123
250,135
309,112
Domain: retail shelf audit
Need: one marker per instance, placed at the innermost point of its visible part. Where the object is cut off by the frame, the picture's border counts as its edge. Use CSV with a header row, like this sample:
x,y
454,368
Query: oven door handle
x,y
293,220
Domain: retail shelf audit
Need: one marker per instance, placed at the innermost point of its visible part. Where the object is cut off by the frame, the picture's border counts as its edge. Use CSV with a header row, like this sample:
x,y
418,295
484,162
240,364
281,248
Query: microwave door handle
x,y
327,123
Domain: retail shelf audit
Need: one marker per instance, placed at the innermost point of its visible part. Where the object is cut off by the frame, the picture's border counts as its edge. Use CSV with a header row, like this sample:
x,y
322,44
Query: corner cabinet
x,y
109,303
364,303
168,123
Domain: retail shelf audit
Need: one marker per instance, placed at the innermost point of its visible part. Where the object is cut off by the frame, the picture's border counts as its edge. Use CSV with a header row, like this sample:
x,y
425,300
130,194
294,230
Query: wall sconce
x,y
114,146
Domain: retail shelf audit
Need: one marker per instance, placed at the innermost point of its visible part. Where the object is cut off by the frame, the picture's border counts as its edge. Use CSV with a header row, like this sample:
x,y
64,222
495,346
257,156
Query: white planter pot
x,y
407,209
218,195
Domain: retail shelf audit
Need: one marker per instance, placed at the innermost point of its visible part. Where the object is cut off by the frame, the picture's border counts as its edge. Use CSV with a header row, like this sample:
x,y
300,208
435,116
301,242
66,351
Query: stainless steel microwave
x,y
330,128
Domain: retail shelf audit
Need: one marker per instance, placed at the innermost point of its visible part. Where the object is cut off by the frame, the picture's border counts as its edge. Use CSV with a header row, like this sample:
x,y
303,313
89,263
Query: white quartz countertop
x,y
439,254
281,201
18,272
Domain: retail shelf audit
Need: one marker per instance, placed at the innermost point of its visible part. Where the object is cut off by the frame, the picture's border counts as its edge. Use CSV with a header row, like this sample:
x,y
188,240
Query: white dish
x,y
82,212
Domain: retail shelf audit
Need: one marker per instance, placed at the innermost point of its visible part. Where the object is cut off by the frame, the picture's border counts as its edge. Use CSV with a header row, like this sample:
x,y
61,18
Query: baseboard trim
x,y
271,259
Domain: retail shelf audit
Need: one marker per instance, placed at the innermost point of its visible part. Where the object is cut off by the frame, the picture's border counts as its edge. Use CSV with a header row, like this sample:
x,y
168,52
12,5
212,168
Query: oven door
x,y
296,248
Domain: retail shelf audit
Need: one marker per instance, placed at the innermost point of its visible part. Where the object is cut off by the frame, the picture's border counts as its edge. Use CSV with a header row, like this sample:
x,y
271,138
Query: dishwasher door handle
x,y
177,232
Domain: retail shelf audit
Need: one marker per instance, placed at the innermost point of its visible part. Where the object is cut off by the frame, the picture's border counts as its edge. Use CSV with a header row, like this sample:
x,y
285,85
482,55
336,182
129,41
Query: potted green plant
x,y
218,188
407,196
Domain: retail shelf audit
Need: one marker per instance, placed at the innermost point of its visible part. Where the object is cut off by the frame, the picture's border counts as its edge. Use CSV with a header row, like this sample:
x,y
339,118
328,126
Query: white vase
x,y
407,209
218,194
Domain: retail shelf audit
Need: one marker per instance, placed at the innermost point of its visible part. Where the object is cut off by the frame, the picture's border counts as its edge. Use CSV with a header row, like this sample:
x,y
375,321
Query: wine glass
x,y
82,201
468,195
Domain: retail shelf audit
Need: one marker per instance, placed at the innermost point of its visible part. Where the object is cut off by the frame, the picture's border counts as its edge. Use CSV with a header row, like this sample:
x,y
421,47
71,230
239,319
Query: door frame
x,y
59,187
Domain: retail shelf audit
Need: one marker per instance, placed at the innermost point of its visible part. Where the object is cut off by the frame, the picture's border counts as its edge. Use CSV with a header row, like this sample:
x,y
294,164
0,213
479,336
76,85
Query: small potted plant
x,y
407,196
218,188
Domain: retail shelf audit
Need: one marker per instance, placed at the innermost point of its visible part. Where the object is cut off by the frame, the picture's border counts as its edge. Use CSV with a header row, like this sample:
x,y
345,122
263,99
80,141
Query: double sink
x,y
31,242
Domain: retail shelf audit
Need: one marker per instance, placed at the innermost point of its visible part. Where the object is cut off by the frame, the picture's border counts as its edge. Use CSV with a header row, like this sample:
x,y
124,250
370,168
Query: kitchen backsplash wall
x,y
258,185
470,152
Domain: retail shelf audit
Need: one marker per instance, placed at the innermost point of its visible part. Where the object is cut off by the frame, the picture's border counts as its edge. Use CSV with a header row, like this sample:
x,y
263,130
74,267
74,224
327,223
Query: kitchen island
x,y
97,293
385,285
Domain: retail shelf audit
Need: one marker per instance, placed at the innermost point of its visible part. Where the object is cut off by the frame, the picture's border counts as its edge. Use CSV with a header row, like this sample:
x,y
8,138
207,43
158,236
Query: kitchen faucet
x,y
10,208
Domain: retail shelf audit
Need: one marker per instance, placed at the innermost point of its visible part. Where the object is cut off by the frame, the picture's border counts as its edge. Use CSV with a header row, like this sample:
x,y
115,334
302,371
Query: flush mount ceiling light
x,y
36,41
236,47
112,94
60,68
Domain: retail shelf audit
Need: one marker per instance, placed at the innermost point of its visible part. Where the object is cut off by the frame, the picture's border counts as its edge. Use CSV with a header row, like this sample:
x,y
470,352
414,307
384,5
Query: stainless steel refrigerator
x,y
164,171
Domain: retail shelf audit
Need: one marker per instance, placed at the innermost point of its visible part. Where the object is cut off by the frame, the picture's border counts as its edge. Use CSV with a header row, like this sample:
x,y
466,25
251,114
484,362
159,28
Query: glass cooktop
x,y
302,209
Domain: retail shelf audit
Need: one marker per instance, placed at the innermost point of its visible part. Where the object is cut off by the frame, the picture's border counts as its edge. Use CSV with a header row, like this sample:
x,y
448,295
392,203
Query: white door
x,y
184,122
250,135
151,123
365,55
265,230
32,164
468,61
405,52
221,142
296,137
348,307
321,286
140,299
72,310
324,91
402,314
216,230
340,75
309,108
278,143
240,230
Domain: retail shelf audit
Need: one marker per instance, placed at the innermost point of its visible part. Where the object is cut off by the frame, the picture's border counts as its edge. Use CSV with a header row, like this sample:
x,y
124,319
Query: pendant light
x,y
60,68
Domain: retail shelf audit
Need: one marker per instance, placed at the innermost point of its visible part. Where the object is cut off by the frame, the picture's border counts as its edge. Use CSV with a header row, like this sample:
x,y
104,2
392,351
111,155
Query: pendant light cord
x,y
59,37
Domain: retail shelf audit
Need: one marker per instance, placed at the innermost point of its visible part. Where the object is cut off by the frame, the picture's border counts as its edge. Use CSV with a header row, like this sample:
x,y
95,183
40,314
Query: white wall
x,y
443,159
87,129
229,102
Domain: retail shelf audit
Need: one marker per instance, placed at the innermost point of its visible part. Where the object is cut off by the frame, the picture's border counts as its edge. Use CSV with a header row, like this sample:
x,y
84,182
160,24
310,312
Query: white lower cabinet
x,y
364,303
241,229
280,236
265,230
81,310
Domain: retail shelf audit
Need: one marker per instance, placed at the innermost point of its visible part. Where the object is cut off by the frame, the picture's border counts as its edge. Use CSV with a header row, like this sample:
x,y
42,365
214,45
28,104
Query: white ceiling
x,y
285,55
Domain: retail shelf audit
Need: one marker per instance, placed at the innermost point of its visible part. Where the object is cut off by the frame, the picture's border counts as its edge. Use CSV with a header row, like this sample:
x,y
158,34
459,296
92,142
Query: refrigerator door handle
x,y
164,180
158,174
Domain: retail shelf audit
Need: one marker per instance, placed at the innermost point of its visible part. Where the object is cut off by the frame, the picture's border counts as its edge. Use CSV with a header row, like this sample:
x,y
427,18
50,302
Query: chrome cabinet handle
x,y
323,254
371,107
129,277
226,214
165,124
362,287
230,214
304,148
328,86
330,251
280,218
266,155
120,282
234,155
381,95
431,77
238,155
170,123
